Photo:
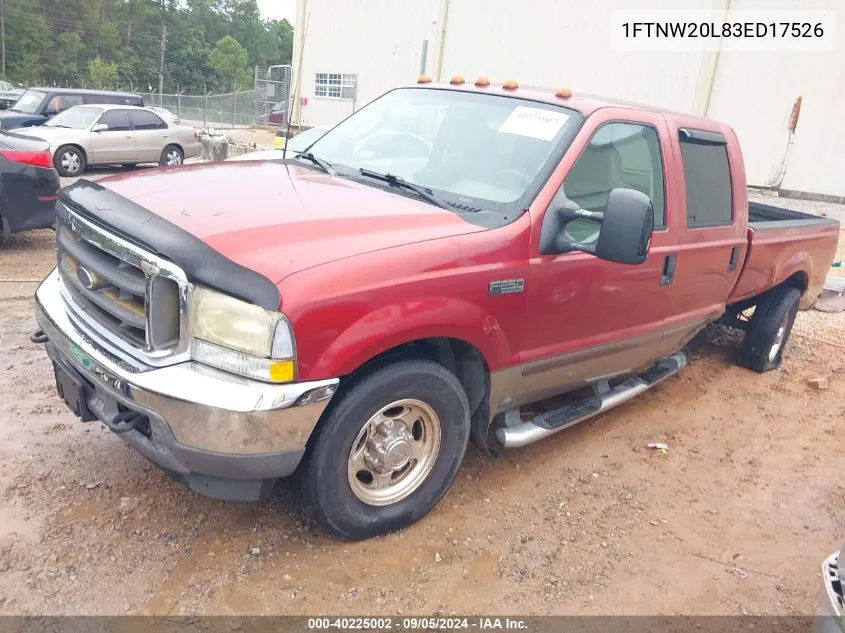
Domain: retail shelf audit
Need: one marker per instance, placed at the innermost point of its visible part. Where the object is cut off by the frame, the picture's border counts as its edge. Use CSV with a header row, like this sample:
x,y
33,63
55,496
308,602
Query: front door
x,y
116,144
588,318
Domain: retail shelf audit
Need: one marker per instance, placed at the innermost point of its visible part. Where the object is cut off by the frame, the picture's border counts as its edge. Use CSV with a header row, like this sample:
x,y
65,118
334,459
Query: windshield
x,y
77,118
29,102
475,151
302,140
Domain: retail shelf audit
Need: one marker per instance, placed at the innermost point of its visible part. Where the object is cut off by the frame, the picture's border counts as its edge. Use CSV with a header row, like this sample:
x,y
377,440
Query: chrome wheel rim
x,y
778,343
394,452
70,162
173,158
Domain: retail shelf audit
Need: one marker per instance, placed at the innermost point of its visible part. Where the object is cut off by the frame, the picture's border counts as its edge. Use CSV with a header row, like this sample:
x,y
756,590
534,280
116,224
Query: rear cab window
x,y
707,174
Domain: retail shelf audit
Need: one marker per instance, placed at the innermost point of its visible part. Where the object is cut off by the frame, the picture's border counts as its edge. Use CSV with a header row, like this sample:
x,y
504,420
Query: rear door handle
x,y
734,259
668,269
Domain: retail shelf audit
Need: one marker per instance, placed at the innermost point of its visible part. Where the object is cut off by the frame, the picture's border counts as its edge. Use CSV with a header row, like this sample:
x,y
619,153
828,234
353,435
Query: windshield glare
x,y
77,118
29,102
478,150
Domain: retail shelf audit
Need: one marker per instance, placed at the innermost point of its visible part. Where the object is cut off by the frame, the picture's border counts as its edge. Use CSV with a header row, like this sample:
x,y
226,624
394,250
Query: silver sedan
x,y
114,135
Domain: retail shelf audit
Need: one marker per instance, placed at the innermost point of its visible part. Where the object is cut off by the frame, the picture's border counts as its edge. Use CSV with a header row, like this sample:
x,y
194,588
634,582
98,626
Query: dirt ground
x,y
735,519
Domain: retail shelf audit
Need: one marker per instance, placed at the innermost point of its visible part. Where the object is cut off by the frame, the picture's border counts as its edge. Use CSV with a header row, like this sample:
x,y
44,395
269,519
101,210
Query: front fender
x,y
388,326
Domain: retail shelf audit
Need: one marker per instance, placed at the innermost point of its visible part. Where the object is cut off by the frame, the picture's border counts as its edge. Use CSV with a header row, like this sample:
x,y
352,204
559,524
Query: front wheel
x,y
69,161
389,449
172,156
769,329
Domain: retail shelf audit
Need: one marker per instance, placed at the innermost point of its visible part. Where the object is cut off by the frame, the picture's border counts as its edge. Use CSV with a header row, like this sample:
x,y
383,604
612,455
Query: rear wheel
x,y
70,161
389,449
172,156
769,329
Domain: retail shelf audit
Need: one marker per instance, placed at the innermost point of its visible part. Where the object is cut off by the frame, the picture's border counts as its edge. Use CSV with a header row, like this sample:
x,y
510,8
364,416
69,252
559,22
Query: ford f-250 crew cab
x,y
415,279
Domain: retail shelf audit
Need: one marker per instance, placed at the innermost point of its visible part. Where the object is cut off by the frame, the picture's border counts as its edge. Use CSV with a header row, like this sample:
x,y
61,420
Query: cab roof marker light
x,y
457,80
510,84
563,93
482,82
424,79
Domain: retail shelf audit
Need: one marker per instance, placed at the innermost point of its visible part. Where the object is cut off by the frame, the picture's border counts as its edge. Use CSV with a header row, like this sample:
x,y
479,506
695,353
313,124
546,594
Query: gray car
x,y
830,609
114,135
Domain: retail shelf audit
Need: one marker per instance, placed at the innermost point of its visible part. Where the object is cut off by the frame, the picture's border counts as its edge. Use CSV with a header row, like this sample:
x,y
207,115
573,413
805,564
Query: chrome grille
x,y
118,291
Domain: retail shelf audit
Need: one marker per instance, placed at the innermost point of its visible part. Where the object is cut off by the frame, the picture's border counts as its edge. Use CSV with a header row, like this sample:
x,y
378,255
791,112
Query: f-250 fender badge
x,y
506,287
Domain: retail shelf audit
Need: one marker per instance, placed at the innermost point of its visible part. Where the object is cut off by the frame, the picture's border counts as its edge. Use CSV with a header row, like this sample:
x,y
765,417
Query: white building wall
x,y
567,44
754,94
379,40
559,43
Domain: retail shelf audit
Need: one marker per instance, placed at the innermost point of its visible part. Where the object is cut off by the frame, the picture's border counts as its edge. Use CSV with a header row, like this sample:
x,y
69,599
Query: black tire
x,y
5,230
777,309
171,151
323,481
73,169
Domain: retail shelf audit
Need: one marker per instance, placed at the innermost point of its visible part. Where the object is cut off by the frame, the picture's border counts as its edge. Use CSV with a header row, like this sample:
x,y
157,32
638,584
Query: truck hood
x,y
277,219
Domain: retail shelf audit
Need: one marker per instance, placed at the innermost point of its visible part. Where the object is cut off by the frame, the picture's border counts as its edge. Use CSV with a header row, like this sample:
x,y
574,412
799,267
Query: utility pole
x,y
161,66
3,33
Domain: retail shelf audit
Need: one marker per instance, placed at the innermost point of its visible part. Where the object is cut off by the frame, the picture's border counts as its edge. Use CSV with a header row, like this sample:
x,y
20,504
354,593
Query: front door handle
x,y
734,259
668,269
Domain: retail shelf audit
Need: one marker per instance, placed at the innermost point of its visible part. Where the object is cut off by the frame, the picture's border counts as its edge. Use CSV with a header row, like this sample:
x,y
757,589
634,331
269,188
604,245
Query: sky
x,y
278,9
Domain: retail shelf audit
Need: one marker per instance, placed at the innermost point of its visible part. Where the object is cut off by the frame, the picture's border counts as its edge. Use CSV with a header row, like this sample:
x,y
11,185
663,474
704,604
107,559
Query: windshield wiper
x,y
401,183
326,167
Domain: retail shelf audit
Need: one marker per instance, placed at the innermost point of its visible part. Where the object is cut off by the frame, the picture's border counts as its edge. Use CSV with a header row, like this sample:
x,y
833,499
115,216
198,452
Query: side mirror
x,y
626,223
50,112
100,127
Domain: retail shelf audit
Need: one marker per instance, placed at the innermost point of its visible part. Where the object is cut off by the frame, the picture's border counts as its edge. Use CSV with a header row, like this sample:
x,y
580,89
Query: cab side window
x,y
117,120
60,103
618,155
145,120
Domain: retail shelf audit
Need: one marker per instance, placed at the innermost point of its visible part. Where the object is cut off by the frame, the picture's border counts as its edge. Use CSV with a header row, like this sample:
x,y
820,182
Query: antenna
x,y
298,84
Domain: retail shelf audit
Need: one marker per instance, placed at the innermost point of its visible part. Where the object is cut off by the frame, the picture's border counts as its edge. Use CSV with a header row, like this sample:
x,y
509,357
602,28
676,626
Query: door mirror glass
x,y
620,233
626,227
100,127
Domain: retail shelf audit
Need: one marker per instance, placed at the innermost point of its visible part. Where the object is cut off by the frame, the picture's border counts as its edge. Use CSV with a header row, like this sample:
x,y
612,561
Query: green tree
x,y
103,74
229,61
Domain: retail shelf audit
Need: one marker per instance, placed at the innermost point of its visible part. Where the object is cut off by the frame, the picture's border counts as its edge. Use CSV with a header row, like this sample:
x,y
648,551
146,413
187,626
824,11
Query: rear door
x,y
116,144
712,236
151,135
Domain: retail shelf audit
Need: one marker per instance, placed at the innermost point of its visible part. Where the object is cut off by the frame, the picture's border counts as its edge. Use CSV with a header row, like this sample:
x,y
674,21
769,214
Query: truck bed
x,y
760,214
780,242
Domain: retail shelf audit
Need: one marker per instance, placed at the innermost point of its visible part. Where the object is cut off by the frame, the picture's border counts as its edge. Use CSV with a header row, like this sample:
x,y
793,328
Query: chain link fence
x,y
235,109
268,102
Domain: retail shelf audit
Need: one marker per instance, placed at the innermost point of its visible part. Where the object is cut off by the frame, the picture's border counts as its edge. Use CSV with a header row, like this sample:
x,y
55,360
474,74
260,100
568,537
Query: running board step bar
x,y
518,433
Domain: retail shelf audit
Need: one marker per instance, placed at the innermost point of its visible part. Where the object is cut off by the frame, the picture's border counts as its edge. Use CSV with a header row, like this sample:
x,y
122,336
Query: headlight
x,y
241,338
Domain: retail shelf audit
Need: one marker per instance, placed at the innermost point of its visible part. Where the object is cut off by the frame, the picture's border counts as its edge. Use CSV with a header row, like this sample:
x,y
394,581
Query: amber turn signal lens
x,y
281,371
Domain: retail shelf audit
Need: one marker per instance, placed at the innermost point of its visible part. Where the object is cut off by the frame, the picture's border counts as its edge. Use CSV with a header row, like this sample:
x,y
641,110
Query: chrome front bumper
x,y
203,421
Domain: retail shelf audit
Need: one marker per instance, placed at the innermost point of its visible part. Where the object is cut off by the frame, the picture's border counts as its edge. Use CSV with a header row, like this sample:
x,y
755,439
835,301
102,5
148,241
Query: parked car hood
x,y
52,134
7,117
277,219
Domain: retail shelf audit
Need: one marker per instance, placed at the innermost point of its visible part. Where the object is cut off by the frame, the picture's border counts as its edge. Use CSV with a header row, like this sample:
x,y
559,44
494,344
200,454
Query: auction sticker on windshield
x,y
534,123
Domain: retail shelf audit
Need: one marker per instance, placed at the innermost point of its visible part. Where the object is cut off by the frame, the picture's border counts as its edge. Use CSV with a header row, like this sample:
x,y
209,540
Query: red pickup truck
x,y
451,263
